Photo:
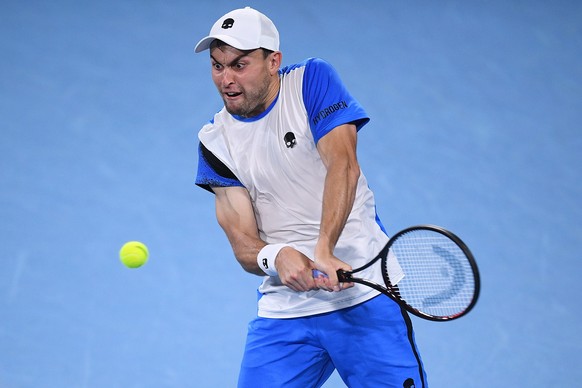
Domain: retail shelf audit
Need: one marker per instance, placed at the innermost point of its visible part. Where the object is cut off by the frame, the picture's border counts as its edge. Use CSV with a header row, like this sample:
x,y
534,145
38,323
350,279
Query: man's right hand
x,y
295,270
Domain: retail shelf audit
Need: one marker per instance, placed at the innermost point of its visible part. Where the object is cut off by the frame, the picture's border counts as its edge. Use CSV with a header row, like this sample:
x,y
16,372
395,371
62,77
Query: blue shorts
x,y
371,345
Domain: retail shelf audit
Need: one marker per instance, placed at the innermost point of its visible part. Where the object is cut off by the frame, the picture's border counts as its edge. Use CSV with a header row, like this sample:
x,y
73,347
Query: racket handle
x,y
342,275
317,273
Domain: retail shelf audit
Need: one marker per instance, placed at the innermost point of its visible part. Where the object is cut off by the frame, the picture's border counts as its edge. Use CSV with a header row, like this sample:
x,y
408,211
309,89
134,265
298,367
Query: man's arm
x,y
235,215
338,152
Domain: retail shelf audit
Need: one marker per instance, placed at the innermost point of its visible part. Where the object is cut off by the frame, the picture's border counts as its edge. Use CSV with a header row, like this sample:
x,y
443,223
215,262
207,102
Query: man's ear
x,y
275,60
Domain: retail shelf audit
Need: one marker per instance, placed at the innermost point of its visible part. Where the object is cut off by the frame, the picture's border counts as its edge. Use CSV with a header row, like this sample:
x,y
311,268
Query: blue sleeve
x,y
327,100
212,172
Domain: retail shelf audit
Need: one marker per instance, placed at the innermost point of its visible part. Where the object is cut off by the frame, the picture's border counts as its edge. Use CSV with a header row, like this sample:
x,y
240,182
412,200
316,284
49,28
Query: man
x,y
280,158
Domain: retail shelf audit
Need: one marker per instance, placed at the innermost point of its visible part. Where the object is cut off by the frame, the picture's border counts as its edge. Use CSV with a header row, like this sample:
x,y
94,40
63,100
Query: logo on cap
x,y
227,23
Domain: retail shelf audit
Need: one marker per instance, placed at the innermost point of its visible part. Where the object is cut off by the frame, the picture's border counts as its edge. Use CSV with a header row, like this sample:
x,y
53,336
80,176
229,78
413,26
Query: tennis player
x,y
280,158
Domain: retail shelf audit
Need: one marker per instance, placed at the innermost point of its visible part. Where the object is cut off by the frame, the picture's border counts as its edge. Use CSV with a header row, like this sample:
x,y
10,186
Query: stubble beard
x,y
253,102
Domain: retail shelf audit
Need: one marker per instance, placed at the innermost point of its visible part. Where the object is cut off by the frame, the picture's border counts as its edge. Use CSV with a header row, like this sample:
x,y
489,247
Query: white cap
x,y
244,29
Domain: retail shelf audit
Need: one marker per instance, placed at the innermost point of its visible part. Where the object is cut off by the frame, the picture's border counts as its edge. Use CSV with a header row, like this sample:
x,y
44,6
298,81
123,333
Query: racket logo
x,y
429,271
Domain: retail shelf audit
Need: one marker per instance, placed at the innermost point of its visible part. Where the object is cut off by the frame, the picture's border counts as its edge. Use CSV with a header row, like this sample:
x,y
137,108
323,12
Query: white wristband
x,y
266,258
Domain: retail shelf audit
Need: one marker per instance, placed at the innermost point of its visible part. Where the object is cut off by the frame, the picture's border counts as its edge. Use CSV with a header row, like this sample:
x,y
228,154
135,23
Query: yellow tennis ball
x,y
133,254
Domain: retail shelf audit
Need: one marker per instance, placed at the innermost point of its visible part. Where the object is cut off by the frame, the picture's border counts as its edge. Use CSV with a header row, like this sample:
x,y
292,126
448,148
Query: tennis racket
x,y
427,270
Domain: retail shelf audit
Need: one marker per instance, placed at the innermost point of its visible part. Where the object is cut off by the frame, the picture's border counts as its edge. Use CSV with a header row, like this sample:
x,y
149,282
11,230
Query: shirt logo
x,y
290,140
329,110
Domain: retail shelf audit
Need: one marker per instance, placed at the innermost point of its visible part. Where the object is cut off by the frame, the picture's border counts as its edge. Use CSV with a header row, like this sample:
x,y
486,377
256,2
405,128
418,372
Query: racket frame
x,y
392,290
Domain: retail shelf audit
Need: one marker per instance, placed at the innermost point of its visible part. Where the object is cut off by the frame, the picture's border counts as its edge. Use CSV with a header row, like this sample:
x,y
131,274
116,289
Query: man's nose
x,y
227,77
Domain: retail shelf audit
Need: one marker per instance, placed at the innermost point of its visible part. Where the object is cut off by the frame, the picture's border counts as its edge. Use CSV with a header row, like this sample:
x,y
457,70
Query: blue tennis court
x,y
476,110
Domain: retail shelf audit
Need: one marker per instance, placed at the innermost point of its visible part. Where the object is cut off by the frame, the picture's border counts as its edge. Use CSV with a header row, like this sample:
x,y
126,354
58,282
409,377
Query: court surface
x,y
476,110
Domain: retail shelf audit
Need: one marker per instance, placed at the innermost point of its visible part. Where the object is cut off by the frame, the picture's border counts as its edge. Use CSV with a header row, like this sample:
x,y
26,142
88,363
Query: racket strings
x,y
438,278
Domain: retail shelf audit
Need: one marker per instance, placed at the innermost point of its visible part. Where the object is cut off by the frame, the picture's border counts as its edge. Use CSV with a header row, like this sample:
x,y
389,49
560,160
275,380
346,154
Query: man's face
x,y
244,79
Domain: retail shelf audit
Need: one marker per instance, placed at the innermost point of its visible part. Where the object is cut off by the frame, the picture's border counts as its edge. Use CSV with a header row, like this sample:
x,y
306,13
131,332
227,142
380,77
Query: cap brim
x,y
205,43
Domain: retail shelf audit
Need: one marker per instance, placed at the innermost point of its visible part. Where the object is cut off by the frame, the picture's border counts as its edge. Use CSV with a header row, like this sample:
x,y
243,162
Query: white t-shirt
x,y
274,156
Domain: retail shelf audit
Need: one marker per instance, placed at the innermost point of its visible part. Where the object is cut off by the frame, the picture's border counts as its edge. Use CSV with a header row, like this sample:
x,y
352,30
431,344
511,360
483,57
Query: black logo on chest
x,y
290,140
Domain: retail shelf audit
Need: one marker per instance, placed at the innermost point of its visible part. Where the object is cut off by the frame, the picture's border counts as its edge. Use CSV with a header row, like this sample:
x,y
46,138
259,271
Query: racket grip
x,y
317,273
342,276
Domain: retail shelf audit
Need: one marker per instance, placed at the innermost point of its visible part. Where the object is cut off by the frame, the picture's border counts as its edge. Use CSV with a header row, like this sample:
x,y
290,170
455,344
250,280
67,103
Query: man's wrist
x,y
266,258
